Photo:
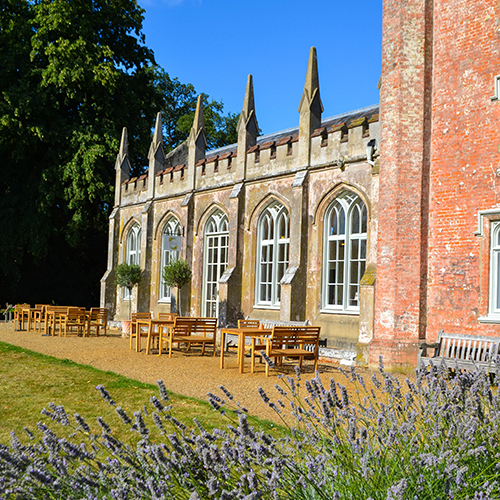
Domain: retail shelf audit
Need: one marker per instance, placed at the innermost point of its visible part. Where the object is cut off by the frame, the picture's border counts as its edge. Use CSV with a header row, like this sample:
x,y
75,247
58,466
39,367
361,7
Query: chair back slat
x,y
249,323
167,316
284,337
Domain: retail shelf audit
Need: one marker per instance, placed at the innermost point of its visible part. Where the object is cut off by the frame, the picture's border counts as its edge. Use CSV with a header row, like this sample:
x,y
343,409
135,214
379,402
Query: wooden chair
x,y
133,328
291,342
20,316
39,316
98,318
193,331
75,318
253,323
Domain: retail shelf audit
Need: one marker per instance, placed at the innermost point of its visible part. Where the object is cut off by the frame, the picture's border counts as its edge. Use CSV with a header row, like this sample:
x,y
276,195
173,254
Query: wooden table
x,y
242,333
162,324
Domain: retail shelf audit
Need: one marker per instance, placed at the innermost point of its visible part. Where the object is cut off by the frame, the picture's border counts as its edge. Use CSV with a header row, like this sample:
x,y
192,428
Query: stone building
x,y
381,225
282,226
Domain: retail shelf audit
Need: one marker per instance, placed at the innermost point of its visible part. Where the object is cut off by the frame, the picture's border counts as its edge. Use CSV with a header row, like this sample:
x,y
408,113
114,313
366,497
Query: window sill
x,y
164,301
339,311
263,306
491,318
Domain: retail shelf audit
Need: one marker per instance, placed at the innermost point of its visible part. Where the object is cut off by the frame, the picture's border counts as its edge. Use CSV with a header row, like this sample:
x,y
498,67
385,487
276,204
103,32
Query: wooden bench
x,y
461,352
290,342
193,331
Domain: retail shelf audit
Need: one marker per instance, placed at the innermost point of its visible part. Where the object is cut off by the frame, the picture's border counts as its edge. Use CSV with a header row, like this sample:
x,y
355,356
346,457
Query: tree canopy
x,y
73,74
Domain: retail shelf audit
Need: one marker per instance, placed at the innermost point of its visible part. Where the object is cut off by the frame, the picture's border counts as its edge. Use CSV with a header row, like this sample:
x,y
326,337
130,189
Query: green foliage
x,y
177,273
128,275
74,73
220,130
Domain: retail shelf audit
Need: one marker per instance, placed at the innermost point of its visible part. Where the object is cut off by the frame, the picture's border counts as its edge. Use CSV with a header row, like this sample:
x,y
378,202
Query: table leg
x,y
222,345
241,352
148,346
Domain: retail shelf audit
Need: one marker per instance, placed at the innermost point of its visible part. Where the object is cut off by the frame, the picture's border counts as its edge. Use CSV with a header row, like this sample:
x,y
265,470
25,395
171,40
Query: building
x,y
381,225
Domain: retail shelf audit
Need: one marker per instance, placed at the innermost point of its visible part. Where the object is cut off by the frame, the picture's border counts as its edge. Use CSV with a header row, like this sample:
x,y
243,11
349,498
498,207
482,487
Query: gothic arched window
x,y
215,260
344,256
171,243
273,244
132,250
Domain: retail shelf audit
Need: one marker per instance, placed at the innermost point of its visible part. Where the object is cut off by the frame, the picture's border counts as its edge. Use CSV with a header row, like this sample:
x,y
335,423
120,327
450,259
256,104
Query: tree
x,y
128,276
179,110
177,273
73,74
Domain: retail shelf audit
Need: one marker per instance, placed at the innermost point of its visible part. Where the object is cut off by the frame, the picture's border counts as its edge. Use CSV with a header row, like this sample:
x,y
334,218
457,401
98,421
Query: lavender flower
x,y
105,395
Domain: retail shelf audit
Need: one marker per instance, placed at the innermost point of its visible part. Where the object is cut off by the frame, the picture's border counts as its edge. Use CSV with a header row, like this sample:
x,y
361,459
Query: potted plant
x,y
177,273
128,276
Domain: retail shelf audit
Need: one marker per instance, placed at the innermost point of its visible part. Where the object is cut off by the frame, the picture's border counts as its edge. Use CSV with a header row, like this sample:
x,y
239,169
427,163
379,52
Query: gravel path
x,y
189,374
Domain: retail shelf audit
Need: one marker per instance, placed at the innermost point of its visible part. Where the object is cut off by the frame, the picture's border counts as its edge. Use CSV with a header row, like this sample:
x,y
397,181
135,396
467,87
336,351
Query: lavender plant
x,y
436,438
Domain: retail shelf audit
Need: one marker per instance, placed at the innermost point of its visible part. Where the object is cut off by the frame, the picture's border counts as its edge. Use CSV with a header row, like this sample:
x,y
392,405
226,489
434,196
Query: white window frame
x,y
496,84
215,260
132,250
347,203
276,245
494,281
172,228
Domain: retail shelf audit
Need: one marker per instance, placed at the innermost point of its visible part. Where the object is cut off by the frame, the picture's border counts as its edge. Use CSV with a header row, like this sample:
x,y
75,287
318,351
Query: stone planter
x,y
125,328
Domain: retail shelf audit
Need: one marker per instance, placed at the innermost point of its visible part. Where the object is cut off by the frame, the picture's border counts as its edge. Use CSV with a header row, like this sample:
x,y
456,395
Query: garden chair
x,y
290,342
20,315
98,319
75,318
253,323
39,316
133,327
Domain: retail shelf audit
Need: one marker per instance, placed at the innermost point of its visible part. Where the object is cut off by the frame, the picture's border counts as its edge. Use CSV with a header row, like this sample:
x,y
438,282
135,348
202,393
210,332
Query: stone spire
x,y
197,142
310,108
156,155
248,129
122,166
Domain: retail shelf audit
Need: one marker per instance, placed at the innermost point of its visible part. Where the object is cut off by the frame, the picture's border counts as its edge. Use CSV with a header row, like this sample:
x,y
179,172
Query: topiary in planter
x,y
177,273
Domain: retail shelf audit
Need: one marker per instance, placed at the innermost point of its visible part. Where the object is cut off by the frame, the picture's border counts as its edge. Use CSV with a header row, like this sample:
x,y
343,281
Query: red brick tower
x,y
440,144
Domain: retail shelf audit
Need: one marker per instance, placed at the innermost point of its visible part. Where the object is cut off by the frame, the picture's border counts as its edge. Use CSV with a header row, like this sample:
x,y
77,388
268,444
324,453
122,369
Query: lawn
x,y
30,381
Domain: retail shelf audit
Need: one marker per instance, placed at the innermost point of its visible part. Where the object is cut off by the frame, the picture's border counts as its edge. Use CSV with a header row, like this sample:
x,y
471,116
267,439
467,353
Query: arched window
x,y
273,244
495,269
344,253
215,261
132,250
171,244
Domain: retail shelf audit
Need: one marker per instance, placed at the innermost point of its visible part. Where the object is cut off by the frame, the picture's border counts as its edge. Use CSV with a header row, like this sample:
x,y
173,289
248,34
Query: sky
x,y
216,44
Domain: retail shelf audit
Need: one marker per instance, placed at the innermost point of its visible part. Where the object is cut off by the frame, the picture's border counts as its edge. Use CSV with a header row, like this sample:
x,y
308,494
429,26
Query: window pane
x,y
355,220
341,221
364,220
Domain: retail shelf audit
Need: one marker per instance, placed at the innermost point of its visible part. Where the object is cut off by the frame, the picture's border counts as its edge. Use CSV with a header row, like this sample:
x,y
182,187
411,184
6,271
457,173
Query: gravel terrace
x,y
189,374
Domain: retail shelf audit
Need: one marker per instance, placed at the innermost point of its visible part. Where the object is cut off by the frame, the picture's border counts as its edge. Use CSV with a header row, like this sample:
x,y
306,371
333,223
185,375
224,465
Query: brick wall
x,y
465,155
440,148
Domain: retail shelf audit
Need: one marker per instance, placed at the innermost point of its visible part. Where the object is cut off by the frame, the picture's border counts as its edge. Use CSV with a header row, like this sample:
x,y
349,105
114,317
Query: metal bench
x,y
461,352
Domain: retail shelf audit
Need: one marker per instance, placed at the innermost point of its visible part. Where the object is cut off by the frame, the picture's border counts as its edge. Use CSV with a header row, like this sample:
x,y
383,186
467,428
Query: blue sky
x,y
215,44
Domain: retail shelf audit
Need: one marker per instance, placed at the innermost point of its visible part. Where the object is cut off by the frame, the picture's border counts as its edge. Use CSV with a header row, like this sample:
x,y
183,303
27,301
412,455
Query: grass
x,y
29,381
